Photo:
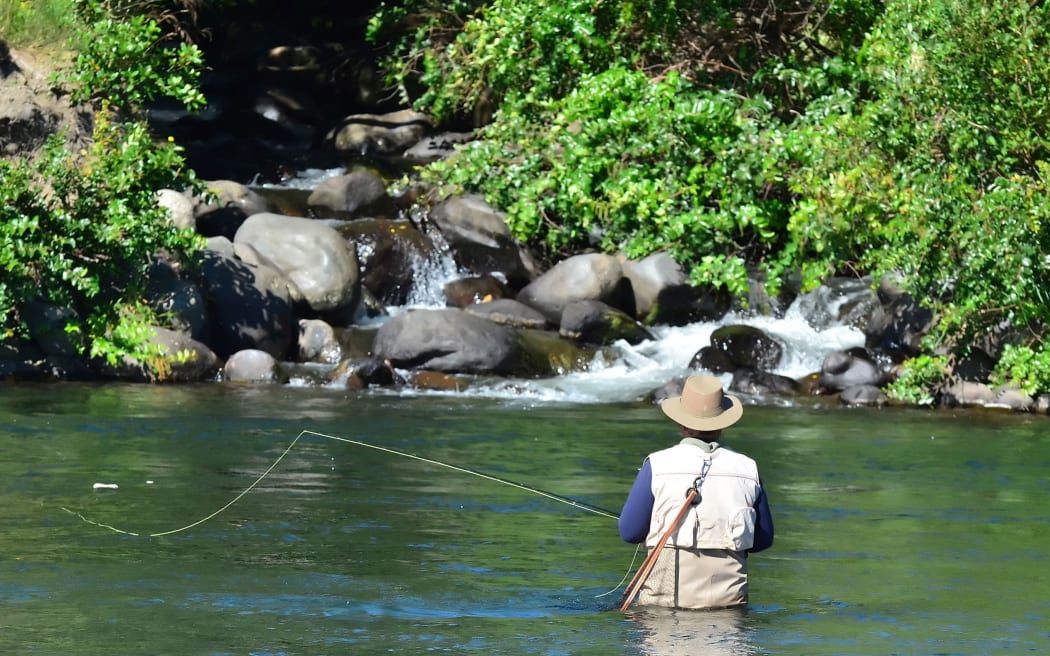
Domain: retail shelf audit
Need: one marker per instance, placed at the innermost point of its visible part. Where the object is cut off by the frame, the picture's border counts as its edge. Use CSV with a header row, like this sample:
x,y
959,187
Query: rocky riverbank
x,y
314,284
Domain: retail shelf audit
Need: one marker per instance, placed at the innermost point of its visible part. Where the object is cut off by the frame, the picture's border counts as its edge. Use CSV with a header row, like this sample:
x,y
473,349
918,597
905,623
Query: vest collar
x,y
706,447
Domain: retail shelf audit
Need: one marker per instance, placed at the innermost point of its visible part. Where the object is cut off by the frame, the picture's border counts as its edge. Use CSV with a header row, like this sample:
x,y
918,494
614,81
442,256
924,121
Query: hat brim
x,y
678,413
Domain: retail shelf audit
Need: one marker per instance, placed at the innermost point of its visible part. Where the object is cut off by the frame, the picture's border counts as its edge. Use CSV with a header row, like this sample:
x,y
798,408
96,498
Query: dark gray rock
x,y
448,340
589,277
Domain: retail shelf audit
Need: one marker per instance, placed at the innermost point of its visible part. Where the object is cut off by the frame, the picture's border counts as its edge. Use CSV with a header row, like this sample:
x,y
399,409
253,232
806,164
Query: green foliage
x,y
79,232
920,380
469,54
130,61
630,164
38,23
1025,367
941,178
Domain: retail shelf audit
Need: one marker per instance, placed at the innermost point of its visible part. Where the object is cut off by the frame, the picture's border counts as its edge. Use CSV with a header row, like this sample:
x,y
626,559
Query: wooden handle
x,y
635,586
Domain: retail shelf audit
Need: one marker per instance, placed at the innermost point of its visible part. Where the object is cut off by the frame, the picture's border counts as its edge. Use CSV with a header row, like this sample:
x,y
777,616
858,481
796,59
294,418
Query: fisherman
x,y
704,562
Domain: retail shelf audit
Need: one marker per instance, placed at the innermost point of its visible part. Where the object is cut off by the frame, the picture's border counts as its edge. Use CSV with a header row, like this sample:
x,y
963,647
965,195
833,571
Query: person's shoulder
x,y
739,457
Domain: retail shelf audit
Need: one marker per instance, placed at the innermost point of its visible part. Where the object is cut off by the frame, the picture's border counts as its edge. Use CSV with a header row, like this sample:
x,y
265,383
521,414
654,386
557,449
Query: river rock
x,y
863,395
252,366
714,360
184,360
588,277
318,343
22,360
967,393
435,147
178,302
382,134
250,306
393,256
594,322
47,327
545,353
448,340
361,373
898,324
179,207
1012,398
313,256
222,214
480,240
748,347
355,194
841,370
663,295
848,301
755,383
464,292
508,312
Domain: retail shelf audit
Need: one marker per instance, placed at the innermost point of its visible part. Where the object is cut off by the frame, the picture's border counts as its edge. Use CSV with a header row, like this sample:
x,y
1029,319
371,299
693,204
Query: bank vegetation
x,y
765,142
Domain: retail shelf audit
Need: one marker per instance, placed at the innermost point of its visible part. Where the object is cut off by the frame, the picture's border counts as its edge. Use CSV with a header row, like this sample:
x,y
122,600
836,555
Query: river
x,y
898,531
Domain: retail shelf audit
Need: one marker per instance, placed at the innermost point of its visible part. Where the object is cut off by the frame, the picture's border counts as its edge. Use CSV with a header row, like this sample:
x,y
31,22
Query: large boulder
x,y
183,360
380,134
748,347
589,277
480,240
898,324
842,370
47,328
448,340
355,194
663,295
250,306
179,302
314,257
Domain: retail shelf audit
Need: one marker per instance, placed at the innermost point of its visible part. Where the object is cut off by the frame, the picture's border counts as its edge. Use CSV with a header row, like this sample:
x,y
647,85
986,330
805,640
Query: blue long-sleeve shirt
x,y
638,510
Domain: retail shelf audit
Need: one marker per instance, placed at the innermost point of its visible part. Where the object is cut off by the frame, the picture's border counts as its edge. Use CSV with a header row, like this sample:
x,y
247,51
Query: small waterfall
x,y
432,273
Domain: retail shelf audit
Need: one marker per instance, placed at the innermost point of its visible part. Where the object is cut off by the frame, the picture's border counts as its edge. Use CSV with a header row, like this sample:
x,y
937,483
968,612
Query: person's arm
x,y
638,509
763,523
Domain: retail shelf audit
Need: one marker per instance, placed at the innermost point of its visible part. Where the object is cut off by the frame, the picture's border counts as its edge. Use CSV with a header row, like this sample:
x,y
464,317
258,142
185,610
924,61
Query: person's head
x,y
703,409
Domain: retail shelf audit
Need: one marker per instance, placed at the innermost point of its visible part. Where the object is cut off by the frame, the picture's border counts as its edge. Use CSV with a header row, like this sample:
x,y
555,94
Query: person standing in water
x,y
704,563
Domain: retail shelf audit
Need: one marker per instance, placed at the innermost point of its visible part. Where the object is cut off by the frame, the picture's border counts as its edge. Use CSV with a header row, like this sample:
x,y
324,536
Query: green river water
x,y
898,531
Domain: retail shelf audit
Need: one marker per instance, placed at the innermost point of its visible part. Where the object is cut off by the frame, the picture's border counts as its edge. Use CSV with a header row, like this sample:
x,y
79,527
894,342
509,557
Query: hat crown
x,y
703,396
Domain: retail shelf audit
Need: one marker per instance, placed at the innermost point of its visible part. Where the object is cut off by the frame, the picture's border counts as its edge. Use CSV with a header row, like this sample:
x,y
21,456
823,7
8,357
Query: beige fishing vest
x,y
725,516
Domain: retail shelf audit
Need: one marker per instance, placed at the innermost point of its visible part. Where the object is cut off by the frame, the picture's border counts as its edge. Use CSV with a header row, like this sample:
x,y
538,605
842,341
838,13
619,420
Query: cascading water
x,y
623,372
626,372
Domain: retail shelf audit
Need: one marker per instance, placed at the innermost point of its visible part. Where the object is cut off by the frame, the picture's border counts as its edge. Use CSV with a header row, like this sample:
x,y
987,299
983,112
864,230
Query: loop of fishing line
x,y
550,495
496,479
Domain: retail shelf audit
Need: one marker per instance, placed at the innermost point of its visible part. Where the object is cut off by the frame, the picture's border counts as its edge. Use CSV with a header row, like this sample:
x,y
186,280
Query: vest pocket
x,y
736,532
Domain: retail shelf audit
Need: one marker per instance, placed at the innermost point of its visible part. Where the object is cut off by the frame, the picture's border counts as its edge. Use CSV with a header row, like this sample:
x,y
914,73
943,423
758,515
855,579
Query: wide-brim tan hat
x,y
703,405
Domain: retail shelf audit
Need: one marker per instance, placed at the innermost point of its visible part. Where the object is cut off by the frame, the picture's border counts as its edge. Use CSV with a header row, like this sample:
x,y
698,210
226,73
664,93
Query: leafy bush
x,y
471,53
1025,367
920,380
630,164
130,61
79,231
941,177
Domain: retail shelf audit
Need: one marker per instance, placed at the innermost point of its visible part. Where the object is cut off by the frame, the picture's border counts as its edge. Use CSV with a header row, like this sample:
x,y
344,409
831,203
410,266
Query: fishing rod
x,y
575,503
